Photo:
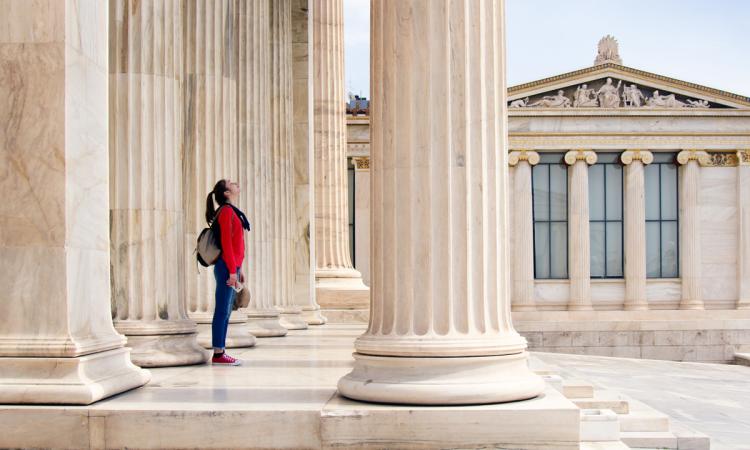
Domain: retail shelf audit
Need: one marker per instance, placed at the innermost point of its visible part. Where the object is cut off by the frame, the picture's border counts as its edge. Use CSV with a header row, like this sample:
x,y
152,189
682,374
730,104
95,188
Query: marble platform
x,y
284,396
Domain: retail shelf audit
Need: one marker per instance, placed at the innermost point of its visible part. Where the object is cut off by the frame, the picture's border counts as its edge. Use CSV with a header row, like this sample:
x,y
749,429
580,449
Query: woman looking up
x,y
232,222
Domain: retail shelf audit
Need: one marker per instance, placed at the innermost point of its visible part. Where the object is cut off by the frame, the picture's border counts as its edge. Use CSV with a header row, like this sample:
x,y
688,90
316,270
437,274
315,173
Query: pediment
x,y
627,88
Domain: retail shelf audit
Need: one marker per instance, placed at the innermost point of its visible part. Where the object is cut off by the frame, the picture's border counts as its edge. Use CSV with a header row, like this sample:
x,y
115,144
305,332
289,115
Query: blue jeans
x,y
223,308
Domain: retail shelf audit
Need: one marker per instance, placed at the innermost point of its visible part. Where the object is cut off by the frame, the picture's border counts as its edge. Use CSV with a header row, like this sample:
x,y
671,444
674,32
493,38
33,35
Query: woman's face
x,y
233,188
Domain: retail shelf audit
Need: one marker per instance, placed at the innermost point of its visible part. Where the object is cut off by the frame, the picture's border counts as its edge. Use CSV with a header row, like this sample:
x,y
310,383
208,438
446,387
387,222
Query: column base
x,y
693,306
636,307
580,308
76,381
238,335
341,289
291,318
523,308
313,316
441,381
265,323
166,350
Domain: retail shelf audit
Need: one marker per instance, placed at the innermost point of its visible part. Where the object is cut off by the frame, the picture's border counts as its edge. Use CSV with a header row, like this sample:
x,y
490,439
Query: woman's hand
x,y
232,281
242,277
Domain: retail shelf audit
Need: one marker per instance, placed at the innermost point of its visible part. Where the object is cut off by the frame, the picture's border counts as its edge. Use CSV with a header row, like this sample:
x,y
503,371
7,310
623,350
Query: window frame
x,y
549,220
660,220
606,221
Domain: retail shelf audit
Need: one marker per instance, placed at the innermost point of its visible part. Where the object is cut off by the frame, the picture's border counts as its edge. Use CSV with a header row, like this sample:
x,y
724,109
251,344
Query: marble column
x,y
146,192
440,327
304,157
690,230
254,156
282,127
522,292
338,284
635,227
210,147
743,194
579,243
57,341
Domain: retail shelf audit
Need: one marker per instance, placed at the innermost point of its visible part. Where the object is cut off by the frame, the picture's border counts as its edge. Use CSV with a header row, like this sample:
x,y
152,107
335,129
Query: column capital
x,y
361,163
644,156
517,156
743,157
701,156
581,155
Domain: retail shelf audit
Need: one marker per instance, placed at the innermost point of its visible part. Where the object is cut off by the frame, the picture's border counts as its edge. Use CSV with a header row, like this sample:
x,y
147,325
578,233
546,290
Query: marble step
x,y
649,439
599,425
616,445
690,439
644,421
742,359
602,399
577,389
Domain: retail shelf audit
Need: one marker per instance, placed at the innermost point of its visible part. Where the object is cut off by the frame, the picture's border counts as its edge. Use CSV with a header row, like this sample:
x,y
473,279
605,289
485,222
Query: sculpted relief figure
x,y
698,103
632,96
608,94
520,103
585,97
552,101
664,101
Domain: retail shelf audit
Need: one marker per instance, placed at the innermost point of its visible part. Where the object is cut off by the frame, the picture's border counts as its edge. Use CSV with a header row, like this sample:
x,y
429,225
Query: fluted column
x,y
57,342
440,328
281,165
635,227
690,231
579,244
146,193
743,194
522,231
338,284
304,163
210,146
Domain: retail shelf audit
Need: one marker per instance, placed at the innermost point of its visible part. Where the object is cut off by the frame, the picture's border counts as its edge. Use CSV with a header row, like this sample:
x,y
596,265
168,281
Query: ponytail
x,y
219,194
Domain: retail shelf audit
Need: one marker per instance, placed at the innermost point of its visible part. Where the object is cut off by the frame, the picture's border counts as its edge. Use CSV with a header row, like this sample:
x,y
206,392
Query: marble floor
x,y
711,398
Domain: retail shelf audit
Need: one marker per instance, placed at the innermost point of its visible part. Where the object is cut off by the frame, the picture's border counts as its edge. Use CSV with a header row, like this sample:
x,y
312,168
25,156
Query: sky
x,y
700,41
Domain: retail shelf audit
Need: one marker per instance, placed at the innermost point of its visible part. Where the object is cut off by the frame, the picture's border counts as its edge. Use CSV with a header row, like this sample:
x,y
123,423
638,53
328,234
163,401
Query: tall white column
x,y
338,284
579,243
281,165
254,123
146,217
635,227
57,342
743,194
440,328
210,148
690,230
522,230
304,162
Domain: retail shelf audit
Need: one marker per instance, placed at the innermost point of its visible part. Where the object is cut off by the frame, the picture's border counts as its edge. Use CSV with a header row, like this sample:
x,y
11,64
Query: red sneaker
x,y
225,360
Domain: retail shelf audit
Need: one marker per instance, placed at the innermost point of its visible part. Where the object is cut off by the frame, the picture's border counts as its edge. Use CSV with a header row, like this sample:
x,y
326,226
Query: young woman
x,y
231,223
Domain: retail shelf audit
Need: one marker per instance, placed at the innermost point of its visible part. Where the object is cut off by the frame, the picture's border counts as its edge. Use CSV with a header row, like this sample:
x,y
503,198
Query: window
x,y
605,215
352,187
662,217
550,203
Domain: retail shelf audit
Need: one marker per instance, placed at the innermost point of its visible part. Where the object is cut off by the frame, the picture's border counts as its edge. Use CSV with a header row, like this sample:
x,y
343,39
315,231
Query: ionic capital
x,y
580,155
529,156
644,156
700,156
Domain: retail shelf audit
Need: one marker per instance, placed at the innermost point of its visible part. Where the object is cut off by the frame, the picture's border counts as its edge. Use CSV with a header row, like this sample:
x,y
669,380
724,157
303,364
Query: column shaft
x,y
281,145
57,342
146,211
579,265
304,157
522,230
635,228
338,284
743,194
210,146
690,235
440,329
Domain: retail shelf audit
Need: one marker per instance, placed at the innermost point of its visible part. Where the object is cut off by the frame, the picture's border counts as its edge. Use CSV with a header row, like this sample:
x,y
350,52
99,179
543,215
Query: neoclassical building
x,y
629,213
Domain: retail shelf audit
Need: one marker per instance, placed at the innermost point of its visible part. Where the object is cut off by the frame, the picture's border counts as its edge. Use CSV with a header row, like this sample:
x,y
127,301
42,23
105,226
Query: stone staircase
x,y
613,421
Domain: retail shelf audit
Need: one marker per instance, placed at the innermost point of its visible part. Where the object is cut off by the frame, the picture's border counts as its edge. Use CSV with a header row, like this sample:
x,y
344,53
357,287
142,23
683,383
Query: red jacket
x,y
232,239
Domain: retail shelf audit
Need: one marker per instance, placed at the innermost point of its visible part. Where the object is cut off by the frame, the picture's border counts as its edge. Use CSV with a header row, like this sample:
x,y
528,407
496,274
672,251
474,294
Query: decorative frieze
x,y
743,157
361,163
